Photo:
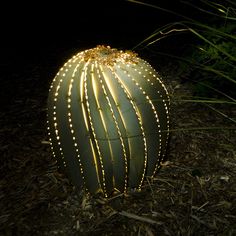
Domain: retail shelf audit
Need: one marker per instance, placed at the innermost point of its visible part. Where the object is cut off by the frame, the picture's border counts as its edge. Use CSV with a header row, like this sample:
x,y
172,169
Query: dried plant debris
x,y
106,55
194,193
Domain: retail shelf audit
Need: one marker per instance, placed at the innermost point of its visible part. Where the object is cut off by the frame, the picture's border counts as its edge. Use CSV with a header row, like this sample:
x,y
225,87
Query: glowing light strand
x,y
116,124
139,121
94,134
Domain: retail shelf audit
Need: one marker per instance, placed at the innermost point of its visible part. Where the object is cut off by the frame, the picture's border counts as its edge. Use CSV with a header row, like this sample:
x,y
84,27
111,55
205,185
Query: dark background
x,y
32,31
37,38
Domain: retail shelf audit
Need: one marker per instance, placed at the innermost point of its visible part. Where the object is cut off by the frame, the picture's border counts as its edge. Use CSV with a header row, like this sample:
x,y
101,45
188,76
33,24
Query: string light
x,y
111,109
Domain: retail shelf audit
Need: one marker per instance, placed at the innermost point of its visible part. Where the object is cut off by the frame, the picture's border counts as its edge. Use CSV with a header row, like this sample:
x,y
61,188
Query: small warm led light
x,y
108,120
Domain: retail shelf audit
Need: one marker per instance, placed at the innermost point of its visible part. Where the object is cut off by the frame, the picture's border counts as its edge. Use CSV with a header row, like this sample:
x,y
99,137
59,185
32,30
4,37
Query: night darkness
x,y
38,29
197,181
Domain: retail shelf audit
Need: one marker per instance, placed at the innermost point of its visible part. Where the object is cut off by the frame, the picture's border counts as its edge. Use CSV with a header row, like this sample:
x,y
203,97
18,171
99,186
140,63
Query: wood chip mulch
x,y
194,193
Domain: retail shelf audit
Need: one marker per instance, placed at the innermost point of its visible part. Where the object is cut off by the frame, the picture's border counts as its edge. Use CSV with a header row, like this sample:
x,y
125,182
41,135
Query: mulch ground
x,y
194,193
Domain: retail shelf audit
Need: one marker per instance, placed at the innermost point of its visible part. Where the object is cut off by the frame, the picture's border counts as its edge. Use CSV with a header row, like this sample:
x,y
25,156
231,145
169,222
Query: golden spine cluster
x,y
108,120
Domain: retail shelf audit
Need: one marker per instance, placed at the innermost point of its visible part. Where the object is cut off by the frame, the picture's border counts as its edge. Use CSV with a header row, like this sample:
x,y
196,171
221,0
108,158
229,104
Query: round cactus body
x,y
108,120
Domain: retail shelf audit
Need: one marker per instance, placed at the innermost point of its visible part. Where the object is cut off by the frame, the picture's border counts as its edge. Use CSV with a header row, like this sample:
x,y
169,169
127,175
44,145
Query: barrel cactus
x,y
108,120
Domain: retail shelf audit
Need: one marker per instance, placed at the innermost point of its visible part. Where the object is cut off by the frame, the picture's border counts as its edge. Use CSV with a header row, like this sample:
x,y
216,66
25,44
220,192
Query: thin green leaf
x,y
208,68
210,12
204,101
212,44
221,113
202,128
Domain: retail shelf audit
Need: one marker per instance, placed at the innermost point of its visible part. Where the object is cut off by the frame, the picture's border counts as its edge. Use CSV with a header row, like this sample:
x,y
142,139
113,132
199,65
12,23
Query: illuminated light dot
x,y
86,99
58,137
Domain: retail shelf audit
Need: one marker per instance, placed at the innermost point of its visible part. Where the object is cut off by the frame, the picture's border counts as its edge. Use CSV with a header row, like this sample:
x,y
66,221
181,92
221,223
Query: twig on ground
x,y
140,218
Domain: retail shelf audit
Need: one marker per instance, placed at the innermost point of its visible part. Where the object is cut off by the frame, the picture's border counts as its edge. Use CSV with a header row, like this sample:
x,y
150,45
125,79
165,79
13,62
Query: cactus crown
x,y
106,55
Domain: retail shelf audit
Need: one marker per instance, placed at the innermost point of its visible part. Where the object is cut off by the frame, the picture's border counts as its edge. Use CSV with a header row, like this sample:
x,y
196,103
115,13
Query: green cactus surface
x,y
108,120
